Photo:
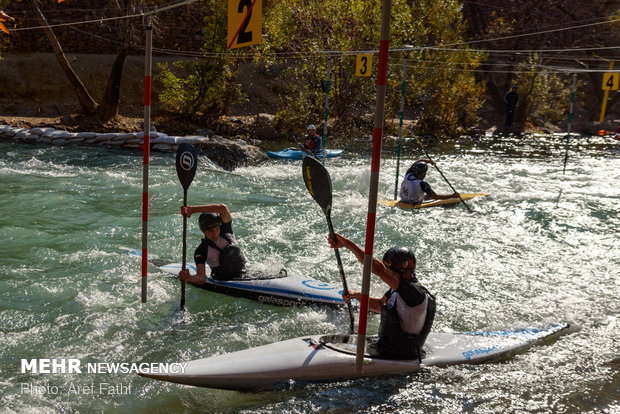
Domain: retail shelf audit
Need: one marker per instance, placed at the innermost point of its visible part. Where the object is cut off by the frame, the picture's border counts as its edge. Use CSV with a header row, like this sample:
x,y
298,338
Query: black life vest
x,y
232,261
393,341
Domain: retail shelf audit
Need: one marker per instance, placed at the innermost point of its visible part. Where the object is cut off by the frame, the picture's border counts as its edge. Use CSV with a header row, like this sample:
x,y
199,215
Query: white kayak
x,y
278,287
322,358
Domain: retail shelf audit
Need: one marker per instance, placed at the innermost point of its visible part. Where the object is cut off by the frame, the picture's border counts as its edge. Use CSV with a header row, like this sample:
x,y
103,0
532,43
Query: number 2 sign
x,y
244,23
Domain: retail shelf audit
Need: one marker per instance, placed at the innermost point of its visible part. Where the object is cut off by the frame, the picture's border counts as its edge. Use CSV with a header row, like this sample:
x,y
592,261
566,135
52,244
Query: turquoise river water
x,y
542,248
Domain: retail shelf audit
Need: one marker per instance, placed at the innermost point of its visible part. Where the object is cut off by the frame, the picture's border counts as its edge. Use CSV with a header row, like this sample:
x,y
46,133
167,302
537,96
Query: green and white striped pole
x,y
570,119
400,125
146,154
327,86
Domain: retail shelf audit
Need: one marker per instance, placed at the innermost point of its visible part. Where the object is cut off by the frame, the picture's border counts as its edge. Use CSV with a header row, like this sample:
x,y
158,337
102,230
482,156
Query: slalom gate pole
x,y
570,119
146,149
400,126
384,46
326,112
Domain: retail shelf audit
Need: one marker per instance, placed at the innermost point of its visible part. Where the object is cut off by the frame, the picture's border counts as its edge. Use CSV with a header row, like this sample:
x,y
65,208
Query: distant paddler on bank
x,y
311,145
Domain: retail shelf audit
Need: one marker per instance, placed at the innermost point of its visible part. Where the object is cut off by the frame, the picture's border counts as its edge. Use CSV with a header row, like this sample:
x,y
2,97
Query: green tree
x,y
516,33
299,35
204,89
307,30
543,94
125,37
444,90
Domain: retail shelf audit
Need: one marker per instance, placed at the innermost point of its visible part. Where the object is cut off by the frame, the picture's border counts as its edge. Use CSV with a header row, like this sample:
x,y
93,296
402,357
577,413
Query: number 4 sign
x,y
244,23
611,81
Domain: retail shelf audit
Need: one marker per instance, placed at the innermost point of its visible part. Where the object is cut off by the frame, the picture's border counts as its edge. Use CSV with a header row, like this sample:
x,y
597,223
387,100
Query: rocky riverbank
x,y
229,154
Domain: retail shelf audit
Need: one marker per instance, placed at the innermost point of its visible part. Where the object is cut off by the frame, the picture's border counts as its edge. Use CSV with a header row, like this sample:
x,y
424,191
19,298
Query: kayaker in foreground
x,y
407,309
415,190
218,249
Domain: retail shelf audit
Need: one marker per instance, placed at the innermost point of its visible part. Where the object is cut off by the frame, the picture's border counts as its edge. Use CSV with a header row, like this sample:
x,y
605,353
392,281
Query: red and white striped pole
x,y
384,46
146,149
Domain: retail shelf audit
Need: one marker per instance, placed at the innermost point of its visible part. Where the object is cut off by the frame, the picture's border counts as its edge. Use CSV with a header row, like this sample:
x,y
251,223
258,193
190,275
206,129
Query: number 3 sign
x,y
363,65
244,23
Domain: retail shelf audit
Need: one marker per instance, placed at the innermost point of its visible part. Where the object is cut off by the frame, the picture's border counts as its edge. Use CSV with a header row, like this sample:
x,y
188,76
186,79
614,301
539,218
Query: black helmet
x,y
208,221
399,259
420,168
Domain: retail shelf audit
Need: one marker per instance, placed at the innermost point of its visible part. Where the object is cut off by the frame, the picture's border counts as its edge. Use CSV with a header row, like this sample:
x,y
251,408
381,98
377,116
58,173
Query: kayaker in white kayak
x,y
312,142
415,190
218,249
407,309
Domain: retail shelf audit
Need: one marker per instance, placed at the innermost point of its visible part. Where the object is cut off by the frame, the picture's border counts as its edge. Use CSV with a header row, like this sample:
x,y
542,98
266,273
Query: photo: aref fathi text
x,y
102,388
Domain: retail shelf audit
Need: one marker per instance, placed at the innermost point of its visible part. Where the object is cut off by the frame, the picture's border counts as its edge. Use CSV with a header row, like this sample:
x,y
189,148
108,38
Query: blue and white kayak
x,y
279,287
297,154
321,358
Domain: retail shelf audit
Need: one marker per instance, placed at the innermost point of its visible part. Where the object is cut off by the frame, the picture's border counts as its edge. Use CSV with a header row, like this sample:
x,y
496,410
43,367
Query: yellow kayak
x,y
431,203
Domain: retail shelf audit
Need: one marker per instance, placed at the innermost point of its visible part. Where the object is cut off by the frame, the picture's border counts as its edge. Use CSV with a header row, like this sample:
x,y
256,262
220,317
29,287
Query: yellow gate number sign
x,y
244,23
363,65
611,81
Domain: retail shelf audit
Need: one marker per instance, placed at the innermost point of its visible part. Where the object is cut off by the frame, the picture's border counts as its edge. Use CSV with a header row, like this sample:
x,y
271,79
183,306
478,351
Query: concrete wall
x,y
178,29
39,78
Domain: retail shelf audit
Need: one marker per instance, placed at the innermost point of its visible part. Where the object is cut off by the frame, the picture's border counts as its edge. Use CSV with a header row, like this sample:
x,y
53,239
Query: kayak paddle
x,y
187,161
319,186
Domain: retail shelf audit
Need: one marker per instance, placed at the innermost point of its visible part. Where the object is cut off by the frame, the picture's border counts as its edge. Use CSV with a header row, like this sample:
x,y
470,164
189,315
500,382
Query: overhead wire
x,y
334,53
153,10
514,36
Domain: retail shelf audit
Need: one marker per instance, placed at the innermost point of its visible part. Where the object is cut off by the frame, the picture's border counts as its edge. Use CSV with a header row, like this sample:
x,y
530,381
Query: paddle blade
x,y
318,183
187,161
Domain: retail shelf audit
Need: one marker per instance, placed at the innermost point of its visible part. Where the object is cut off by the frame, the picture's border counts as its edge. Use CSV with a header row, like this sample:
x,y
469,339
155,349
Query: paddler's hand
x,y
184,275
352,295
338,243
455,195
186,211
